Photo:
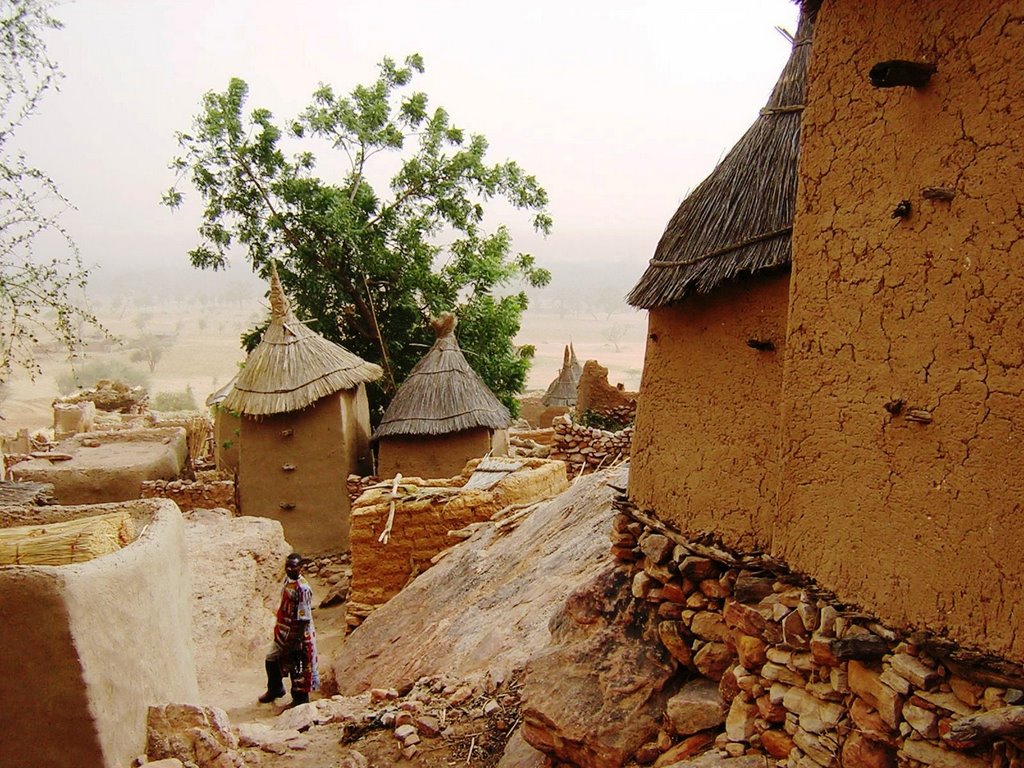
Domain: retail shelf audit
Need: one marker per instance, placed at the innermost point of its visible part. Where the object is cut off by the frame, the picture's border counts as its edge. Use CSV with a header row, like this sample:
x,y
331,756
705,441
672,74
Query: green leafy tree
x,y
38,295
367,263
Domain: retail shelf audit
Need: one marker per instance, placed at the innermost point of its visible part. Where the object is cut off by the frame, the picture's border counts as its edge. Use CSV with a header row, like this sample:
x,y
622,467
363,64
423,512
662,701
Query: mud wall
x,y
705,449
423,517
108,466
905,357
92,645
442,456
293,468
227,436
356,417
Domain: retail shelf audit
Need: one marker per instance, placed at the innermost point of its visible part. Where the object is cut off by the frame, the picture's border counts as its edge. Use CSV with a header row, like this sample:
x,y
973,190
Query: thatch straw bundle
x,y
70,541
442,394
293,367
739,219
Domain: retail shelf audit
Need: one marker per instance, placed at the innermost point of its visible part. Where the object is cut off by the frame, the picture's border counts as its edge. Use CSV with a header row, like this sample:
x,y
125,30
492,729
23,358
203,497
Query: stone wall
x,y
423,516
588,448
193,494
797,675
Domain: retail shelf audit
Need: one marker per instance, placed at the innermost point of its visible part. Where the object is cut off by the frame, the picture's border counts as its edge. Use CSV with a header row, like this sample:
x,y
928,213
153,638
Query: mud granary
x,y
305,426
835,356
442,416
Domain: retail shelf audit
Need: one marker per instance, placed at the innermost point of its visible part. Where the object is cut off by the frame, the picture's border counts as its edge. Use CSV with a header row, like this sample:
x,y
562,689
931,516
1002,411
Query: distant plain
x,y
203,350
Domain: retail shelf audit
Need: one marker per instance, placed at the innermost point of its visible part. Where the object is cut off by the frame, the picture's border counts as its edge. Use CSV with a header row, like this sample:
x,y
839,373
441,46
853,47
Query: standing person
x,y
294,649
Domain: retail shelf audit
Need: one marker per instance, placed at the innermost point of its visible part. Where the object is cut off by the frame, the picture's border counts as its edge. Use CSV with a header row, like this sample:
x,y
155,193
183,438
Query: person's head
x,y
293,565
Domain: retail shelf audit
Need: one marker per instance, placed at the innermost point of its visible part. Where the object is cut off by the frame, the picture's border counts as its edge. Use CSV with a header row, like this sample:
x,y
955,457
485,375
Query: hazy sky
x,y
618,108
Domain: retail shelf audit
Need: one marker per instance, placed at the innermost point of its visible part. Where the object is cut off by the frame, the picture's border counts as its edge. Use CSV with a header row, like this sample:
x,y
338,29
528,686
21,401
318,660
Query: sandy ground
x,y
205,353
475,740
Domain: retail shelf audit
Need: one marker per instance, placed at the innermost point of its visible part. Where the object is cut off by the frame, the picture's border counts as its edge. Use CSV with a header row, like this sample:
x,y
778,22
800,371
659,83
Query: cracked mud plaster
x,y
705,449
918,522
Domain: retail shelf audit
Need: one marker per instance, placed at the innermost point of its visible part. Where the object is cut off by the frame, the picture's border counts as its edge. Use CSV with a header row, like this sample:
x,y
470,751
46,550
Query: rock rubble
x,y
769,665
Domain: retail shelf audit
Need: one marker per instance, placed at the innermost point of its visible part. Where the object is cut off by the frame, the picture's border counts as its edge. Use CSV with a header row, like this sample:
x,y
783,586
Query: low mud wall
x,y
423,516
92,645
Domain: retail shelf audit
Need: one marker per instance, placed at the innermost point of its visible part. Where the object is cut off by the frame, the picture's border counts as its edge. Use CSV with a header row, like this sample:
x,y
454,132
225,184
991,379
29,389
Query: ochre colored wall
x,y
318,522
88,647
917,522
421,524
227,436
356,418
45,710
705,448
442,456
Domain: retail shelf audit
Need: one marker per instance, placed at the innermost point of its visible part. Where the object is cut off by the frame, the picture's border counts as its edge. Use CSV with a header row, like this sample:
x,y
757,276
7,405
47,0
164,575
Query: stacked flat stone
x,y
193,494
356,485
790,673
588,448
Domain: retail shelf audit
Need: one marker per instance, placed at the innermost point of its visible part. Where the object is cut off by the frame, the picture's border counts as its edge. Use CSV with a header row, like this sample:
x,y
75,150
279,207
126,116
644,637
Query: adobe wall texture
x,y
423,517
442,456
299,460
705,448
92,645
227,437
923,315
356,415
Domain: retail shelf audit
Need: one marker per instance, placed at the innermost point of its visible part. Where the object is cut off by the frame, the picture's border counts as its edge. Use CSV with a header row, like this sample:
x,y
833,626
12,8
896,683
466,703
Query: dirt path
x,y
470,737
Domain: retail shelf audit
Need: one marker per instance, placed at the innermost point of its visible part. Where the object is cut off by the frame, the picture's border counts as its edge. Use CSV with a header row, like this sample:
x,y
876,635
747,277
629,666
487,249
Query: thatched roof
x,y
574,364
561,392
442,394
293,367
218,397
738,220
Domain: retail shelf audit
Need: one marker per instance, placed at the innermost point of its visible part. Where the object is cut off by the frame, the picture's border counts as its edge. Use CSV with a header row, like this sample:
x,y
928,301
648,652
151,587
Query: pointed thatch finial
x,y
565,358
574,364
444,324
279,306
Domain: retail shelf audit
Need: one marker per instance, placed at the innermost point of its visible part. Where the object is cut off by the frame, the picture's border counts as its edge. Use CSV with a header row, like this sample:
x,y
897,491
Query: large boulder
x,y
485,607
237,567
599,692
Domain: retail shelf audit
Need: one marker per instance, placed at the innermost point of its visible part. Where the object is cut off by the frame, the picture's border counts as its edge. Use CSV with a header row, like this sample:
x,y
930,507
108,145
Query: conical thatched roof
x,y
561,392
293,367
574,364
442,394
218,397
738,220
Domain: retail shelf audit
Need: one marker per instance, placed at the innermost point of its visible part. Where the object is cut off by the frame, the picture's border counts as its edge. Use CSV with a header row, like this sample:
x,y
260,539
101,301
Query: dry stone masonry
x,y
778,668
193,494
586,449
